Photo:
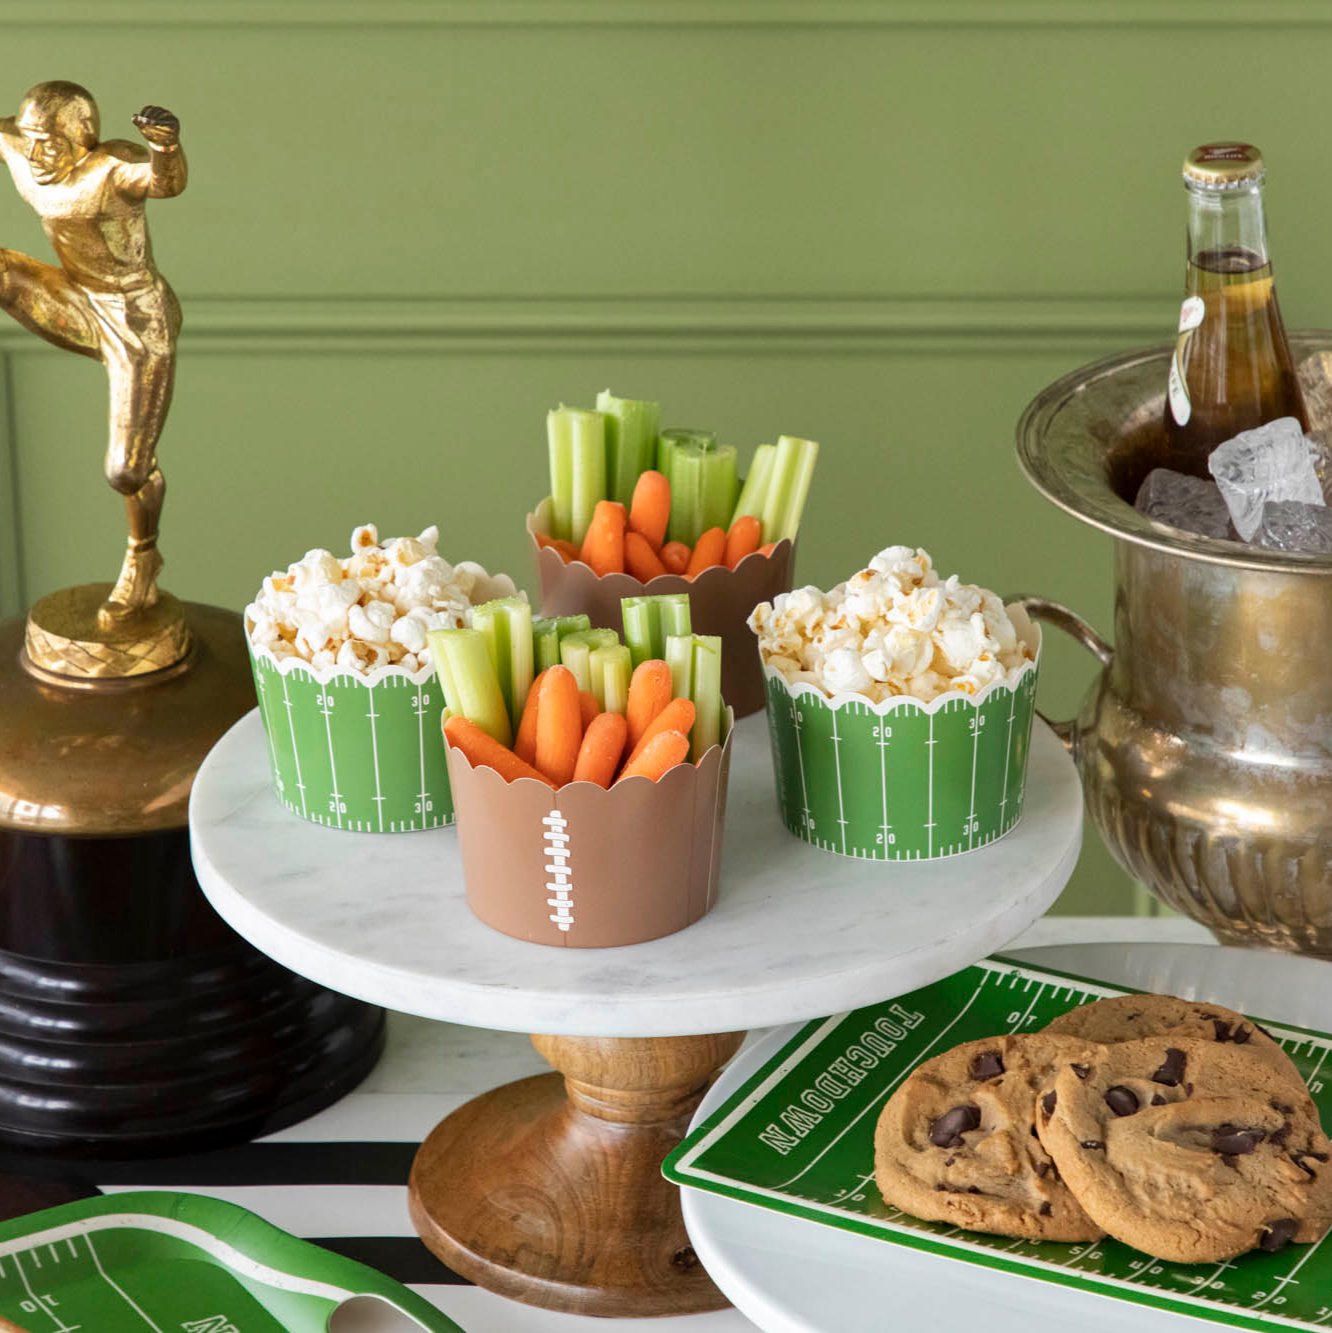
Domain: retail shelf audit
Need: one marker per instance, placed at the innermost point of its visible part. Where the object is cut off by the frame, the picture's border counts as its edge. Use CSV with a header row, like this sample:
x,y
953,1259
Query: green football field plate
x,y
798,1137
158,1262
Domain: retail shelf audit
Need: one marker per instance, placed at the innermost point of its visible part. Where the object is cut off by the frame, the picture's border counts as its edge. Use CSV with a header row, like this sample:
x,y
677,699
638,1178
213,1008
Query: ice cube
x,y
1184,502
1289,525
1270,462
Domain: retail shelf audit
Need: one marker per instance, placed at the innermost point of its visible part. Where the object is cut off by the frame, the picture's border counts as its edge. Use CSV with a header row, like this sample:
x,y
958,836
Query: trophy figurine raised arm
x,y
105,299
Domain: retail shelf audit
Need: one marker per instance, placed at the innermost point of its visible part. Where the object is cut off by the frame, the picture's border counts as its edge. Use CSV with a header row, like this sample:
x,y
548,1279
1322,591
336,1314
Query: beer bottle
x,y
1232,367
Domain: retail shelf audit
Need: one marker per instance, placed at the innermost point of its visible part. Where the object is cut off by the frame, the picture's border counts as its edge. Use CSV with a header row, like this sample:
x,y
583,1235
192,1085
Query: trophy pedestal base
x,y
134,1022
67,641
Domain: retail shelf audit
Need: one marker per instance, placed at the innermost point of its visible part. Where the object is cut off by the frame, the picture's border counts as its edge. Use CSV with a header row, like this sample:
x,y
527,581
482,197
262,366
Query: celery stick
x,y
452,700
631,442
686,478
674,610
589,471
559,438
466,658
755,490
718,489
707,650
668,439
522,657
788,487
647,620
680,659
642,628
576,652
573,624
613,667
545,644
507,624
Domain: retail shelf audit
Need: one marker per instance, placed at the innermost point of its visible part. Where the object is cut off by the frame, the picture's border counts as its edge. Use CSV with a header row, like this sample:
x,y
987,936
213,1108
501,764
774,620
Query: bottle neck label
x,y
1177,389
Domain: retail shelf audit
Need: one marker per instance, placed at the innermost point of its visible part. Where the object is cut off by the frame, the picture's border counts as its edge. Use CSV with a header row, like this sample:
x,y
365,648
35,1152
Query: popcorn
x,y
895,628
372,609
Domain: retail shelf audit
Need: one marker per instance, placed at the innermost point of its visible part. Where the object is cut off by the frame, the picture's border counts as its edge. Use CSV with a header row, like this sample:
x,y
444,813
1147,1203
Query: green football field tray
x,y
798,1137
156,1262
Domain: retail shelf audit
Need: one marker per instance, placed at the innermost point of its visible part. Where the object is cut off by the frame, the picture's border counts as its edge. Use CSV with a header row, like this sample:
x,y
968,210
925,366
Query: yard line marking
x,y
1290,1276
111,1282
61,1326
374,751
1030,1007
295,753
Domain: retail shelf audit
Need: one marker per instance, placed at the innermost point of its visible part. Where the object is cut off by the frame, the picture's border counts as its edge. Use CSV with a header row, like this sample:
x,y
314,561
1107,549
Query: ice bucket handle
x,y
1058,615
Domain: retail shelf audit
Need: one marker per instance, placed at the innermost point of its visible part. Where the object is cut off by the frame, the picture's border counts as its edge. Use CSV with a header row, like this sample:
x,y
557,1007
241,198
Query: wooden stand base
x,y
550,1190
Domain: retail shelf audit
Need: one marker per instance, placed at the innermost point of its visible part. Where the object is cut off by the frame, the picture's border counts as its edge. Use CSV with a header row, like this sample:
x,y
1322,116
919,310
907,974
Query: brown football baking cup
x,y
720,601
586,866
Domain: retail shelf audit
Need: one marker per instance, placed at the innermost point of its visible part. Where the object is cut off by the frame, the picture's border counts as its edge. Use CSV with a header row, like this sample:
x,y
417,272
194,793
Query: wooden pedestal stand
x,y
549,1190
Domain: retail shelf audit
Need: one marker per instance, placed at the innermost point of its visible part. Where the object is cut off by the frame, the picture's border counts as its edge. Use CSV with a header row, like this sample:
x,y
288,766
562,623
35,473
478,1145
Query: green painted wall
x,y
414,225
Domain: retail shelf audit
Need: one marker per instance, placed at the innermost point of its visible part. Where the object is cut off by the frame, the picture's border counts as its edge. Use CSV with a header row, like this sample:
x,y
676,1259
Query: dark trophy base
x,y
134,1022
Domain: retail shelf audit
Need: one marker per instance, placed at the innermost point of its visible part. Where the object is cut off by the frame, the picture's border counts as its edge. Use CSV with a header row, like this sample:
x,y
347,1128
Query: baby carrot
x,y
678,715
567,550
559,725
482,749
602,749
767,548
649,693
651,508
603,543
640,559
660,754
524,745
588,707
743,539
675,556
709,550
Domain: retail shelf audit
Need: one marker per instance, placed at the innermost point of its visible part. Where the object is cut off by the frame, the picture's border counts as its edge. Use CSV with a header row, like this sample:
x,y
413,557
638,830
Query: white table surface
x,y
797,932
430,1069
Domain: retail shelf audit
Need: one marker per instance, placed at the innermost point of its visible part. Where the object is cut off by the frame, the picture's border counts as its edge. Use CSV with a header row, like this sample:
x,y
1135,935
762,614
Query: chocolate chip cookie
x,y
957,1141
1192,1151
1134,1017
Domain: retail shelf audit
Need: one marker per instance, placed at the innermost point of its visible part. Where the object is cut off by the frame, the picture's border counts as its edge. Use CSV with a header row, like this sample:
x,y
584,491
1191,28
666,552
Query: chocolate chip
x,y
1122,1100
947,1130
987,1065
1043,1169
1092,1143
1242,1034
1277,1235
1171,1073
1279,1136
1081,1070
1301,1159
1282,1107
1048,1103
1046,1210
1222,1029
1232,1142
1157,1099
949,1161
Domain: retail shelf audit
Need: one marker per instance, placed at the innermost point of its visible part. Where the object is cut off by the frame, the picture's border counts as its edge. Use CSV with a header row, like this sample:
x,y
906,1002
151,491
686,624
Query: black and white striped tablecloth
x,y
339,1178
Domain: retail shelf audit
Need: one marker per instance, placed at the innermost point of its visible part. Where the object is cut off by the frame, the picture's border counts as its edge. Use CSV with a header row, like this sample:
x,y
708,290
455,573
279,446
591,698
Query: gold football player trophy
x,y
105,299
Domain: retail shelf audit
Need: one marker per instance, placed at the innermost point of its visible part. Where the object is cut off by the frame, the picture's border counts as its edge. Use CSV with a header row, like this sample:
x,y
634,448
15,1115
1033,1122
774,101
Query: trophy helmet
x,y
58,107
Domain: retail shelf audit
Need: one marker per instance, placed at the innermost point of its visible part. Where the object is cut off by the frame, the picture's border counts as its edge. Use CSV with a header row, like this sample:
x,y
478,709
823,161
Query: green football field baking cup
x,y
902,780
352,751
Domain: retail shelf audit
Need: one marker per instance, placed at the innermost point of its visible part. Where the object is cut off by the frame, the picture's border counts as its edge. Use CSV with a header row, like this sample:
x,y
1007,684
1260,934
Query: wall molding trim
x,y
686,324
1080,14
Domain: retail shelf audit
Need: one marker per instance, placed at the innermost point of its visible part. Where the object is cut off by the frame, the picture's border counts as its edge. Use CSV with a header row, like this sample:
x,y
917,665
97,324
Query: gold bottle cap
x,y
1224,166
